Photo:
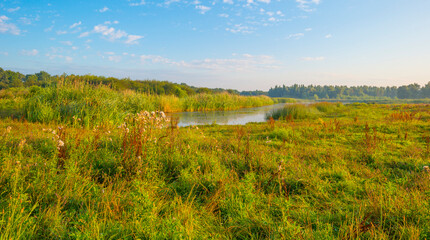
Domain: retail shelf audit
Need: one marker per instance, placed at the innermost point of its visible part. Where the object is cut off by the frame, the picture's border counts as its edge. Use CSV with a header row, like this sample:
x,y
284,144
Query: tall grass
x,y
302,111
311,179
99,105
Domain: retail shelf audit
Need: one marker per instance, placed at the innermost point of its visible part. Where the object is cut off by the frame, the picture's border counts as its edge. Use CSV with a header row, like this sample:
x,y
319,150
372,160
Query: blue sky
x,y
240,44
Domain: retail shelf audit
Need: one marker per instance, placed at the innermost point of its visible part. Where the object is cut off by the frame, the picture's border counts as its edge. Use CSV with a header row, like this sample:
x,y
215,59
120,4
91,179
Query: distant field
x,y
337,171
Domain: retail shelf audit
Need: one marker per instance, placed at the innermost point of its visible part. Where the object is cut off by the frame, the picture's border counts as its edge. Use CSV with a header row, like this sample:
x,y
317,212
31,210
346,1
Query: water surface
x,y
233,117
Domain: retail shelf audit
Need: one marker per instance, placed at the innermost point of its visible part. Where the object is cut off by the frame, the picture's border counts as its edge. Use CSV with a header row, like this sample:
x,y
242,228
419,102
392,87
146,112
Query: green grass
x,y
335,172
101,105
302,111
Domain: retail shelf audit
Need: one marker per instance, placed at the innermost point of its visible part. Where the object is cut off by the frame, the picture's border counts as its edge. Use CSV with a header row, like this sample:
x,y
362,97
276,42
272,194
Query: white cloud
x,y
114,58
228,1
109,32
132,39
113,34
306,5
109,22
296,36
328,36
8,27
13,9
4,53
203,9
84,34
308,29
102,10
33,52
68,43
310,59
224,15
245,62
168,2
25,21
239,28
156,59
49,28
142,2
61,32
75,24
55,56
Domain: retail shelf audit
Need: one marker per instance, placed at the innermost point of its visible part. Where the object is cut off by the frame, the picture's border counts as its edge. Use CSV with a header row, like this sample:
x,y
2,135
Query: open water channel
x,y
234,117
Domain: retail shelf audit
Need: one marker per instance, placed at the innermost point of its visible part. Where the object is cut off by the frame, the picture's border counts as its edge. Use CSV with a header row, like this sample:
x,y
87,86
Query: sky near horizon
x,y
239,44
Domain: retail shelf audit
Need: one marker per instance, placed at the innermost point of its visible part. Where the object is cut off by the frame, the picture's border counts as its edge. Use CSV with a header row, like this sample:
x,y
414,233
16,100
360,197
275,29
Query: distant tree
x,y
425,91
403,92
30,80
44,78
414,91
203,90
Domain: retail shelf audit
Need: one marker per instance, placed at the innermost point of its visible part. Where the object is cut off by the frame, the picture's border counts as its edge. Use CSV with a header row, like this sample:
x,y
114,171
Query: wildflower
x,y
60,143
8,129
162,114
426,169
22,143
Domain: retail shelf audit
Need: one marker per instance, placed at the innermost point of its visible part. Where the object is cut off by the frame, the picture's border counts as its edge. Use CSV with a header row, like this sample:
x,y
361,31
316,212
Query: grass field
x,y
336,172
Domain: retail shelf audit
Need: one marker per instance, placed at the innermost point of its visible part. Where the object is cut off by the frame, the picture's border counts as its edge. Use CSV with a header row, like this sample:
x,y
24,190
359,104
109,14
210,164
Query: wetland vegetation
x,y
82,161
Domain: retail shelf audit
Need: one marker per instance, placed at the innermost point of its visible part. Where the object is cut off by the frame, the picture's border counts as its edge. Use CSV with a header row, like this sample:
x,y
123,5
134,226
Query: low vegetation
x,y
330,171
303,111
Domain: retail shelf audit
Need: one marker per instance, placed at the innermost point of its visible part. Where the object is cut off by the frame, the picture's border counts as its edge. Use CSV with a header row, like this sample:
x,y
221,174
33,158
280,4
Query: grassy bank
x,y
357,174
101,105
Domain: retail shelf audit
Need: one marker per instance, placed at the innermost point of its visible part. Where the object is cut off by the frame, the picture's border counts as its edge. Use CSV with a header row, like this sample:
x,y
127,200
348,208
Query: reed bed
x,y
96,105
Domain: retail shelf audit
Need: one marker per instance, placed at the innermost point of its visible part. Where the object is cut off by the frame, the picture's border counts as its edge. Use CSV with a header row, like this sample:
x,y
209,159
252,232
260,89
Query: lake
x,y
234,117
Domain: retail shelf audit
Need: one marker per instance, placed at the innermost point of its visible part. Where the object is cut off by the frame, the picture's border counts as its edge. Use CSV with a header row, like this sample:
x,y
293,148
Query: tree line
x,y
11,79
411,91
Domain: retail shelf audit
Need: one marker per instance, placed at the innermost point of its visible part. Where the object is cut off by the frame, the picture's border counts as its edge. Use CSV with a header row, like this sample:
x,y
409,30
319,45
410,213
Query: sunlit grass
x,y
355,171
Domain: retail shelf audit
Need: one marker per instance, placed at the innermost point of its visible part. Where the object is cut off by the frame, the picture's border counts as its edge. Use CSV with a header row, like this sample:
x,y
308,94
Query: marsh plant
x,y
357,171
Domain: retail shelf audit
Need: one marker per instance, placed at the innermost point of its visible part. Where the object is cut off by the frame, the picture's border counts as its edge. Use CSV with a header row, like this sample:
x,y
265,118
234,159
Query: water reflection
x,y
234,117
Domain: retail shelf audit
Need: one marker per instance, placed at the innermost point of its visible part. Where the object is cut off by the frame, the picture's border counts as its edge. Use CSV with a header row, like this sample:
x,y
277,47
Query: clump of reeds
x,y
302,111
294,111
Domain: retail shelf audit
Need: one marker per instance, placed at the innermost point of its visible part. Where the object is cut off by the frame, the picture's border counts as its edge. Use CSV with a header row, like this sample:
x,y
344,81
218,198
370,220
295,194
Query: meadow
x,y
337,172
